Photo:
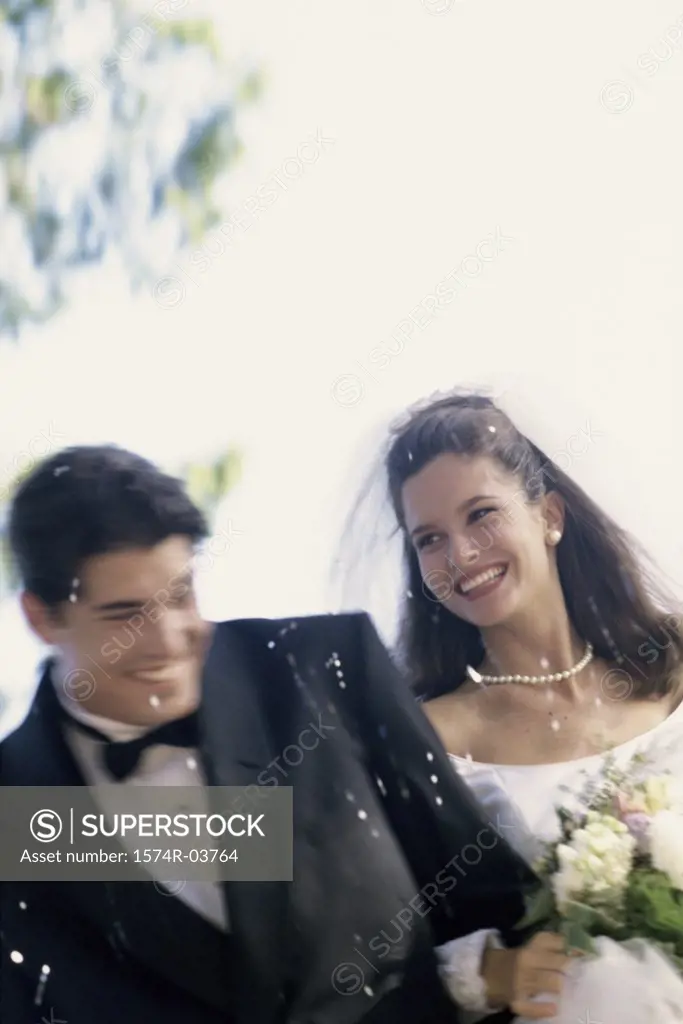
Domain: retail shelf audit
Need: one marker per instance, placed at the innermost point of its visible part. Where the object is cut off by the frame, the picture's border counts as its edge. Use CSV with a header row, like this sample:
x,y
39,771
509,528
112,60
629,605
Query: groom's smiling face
x,y
479,543
130,641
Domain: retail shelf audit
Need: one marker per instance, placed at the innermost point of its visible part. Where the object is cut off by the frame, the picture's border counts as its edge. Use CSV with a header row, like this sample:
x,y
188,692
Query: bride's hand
x,y
514,976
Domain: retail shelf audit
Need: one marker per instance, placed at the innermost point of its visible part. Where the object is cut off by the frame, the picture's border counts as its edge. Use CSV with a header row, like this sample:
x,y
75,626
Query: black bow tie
x,y
121,757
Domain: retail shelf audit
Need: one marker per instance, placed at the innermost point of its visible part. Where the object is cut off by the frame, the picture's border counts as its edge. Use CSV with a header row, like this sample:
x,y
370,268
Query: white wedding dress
x,y
521,800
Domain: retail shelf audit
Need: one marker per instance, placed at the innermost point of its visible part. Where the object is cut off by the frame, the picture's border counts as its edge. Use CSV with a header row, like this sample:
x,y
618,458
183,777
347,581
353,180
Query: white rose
x,y
666,839
596,862
569,881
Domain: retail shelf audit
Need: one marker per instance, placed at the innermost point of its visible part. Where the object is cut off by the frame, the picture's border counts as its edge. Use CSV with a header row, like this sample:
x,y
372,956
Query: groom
x,y
141,691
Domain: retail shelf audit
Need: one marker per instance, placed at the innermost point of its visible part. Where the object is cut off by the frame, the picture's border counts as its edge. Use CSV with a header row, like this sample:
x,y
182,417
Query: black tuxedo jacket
x,y
351,937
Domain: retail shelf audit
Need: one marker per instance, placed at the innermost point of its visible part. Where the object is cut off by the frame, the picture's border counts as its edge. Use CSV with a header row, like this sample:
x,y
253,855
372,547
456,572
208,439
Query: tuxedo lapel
x,y
237,745
138,920
37,753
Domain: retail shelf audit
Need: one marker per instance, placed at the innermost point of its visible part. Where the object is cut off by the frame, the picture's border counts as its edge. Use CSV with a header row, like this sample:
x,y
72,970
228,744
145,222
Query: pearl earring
x,y
554,537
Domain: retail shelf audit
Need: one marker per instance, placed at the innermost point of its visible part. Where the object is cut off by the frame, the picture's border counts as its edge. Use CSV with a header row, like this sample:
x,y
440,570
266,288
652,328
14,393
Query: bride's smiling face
x,y
481,546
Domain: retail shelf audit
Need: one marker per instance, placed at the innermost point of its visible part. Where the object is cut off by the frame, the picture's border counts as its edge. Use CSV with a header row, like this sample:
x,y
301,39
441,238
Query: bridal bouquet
x,y
613,887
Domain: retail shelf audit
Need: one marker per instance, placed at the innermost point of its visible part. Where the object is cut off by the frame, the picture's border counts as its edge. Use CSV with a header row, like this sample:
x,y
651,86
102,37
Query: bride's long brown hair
x,y
612,600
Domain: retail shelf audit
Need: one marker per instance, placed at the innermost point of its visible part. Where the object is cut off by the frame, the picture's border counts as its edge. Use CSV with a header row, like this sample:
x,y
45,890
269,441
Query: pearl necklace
x,y
554,677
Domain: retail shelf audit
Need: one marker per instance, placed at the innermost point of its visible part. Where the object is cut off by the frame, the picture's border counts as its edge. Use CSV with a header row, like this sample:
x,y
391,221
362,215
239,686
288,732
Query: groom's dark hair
x,y
90,500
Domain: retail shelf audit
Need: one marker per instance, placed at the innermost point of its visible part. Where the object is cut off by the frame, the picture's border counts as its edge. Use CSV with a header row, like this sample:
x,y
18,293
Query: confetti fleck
x,y
40,991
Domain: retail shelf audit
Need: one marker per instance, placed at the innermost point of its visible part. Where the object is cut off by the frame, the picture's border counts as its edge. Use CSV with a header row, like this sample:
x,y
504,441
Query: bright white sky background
x,y
548,124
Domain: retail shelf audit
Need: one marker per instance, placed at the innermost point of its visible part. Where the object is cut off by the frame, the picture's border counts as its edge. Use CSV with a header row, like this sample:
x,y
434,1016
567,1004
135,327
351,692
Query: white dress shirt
x,y
159,765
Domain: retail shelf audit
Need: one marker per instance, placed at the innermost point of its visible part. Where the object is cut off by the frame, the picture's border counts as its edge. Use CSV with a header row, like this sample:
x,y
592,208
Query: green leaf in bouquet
x,y
581,914
576,936
540,907
654,909
594,918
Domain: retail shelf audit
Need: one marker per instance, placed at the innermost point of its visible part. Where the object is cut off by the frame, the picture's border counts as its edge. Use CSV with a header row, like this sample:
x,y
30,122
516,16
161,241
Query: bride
x,y
536,642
